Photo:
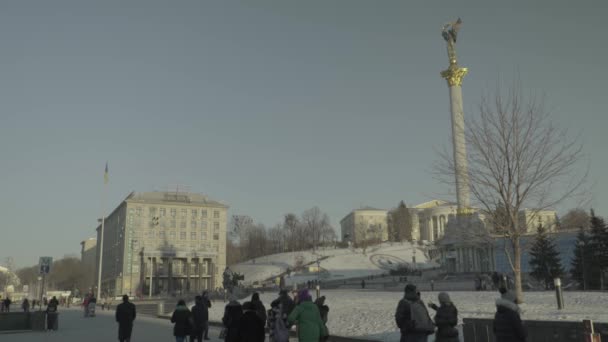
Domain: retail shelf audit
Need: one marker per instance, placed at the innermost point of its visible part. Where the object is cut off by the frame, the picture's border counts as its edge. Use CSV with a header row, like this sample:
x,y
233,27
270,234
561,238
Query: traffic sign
x,y
44,265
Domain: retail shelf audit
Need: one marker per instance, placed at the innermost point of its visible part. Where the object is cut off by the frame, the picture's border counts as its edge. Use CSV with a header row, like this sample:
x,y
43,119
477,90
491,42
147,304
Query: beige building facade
x,y
365,224
160,243
88,258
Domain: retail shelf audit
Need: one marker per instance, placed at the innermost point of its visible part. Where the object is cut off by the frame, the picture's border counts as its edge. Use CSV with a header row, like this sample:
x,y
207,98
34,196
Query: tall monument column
x,y
454,75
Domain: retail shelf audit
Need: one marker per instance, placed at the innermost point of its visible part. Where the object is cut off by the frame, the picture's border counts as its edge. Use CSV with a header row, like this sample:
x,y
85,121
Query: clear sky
x,y
271,106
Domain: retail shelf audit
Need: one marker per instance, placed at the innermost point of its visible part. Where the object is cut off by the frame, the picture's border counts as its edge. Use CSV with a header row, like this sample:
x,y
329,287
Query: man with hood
x,y
251,326
308,319
412,317
446,319
508,326
125,315
200,319
259,307
232,316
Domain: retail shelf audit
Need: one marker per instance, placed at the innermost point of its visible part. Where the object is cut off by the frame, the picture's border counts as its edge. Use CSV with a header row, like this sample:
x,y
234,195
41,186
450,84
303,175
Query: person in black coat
x,y
232,316
200,319
508,326
258,306
446,319
125,315
251,326
181,317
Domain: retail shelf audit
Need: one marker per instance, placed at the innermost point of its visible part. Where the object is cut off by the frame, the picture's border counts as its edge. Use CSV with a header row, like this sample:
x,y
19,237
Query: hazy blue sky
x,y
271,106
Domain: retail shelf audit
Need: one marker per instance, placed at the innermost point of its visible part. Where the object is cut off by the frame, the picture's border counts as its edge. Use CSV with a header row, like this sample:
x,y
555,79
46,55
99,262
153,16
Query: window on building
x,y
172,224
182,235
203,213
194,213
183,213
216,236
182,224
161,234
138,211
152,211
203,235
173,212
216,214
163,212
192,235
216,226
172,235
192,224
204,224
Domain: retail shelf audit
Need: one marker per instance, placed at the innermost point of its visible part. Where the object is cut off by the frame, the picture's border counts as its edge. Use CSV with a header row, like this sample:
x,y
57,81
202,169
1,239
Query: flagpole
x,y
103,219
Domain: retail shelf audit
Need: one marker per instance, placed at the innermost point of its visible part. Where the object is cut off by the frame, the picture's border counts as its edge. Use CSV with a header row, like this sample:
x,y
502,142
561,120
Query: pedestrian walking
x,y
125,315
7,304
508,326
232,315
200,320
363,283
251,326
446,319
25,305
181,318
324,311
308,319
92,305
412,317
52,323
259,307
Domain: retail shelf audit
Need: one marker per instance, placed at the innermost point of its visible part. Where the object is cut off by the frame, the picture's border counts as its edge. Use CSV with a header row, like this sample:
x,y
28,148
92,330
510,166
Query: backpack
x,y
281,333
421,320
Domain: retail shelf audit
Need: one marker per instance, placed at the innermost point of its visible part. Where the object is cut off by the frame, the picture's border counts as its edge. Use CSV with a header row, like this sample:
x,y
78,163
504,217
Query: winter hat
x,y
255,297
509,296
410,288
303,295
444,298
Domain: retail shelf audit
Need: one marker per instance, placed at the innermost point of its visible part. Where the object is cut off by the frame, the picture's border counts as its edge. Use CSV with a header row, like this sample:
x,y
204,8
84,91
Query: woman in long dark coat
x,y
231,320
446,319
181,317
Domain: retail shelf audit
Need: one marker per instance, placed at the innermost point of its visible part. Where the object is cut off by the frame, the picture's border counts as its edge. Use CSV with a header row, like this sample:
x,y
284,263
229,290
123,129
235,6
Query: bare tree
x,y
517,159
291,225
575,219
315,224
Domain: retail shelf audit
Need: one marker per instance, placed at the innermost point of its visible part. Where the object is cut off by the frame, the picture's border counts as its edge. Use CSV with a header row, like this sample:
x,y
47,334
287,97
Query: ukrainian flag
x,y
106,178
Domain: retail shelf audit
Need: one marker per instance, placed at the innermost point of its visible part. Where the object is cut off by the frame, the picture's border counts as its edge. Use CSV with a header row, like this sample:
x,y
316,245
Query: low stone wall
x,y
480,330
15,321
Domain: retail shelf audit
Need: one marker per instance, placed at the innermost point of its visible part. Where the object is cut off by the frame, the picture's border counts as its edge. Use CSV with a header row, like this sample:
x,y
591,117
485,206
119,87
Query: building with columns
x,y
158,243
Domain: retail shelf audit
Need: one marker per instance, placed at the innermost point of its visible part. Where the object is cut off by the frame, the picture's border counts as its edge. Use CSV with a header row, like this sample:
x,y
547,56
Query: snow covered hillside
x,y
335,264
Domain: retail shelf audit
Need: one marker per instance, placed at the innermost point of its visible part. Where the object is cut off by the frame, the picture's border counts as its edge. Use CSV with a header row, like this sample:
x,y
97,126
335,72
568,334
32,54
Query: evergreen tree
x,y
582,260
400,223
545,262
598,245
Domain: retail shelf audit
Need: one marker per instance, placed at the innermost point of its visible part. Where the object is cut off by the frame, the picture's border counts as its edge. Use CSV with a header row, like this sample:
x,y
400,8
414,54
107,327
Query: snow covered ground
x,y
339,263
370,314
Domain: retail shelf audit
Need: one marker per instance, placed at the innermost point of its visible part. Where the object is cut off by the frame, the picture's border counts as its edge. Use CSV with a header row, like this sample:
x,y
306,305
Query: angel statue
x,y
449,33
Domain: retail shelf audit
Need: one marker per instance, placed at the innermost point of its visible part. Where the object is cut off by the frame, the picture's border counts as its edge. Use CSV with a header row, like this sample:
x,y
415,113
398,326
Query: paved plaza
x,y
103,328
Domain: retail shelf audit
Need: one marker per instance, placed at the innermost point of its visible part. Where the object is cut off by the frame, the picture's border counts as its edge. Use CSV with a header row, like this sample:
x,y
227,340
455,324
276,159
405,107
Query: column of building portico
x,y
429,228
188,285
415,226
199,278
169,275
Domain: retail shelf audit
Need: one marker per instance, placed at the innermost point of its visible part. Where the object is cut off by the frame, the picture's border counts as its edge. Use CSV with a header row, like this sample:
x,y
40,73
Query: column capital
x,y
454,75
